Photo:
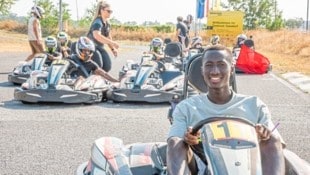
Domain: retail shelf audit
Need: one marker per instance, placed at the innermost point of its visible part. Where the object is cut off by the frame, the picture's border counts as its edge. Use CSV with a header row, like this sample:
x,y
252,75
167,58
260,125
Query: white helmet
x,y
215,40
38,11
156,44
196,40
62,37
85,43
51,43
242,36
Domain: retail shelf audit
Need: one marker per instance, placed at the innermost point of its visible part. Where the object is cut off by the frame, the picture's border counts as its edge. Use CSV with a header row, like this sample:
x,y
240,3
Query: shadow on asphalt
x,y
8,84
129,105
18,105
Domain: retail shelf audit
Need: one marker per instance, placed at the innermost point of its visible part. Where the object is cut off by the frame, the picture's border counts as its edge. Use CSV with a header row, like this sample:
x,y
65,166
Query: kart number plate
x,y
229,129
59,62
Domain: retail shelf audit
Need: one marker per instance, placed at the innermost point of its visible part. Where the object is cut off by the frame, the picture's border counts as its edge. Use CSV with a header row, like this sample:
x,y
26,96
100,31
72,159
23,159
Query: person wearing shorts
x,y
34,32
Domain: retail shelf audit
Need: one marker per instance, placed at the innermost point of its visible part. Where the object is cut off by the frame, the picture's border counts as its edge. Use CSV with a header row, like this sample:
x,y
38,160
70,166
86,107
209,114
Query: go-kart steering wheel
x,y
161,66
198,149
200,124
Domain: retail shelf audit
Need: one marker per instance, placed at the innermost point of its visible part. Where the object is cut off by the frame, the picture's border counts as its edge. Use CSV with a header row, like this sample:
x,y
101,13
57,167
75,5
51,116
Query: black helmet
x,y
38,11
85,43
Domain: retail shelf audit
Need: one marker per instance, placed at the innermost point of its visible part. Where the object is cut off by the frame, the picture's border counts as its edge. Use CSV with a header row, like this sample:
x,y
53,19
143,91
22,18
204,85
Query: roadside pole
x,y
307,21
60,16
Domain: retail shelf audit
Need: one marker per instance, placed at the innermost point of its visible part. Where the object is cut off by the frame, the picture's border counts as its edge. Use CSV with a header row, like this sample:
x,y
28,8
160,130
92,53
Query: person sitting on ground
x,y
63,44
82,66
52,53
156,48
220,100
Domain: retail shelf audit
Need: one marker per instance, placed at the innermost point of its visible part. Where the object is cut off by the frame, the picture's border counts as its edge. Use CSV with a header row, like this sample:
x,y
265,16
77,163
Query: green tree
x,y
88,17
51,16
258,13
294,23
5,6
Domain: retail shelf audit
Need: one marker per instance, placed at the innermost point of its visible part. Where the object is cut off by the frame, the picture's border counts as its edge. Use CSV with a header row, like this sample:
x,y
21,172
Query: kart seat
x,y
194,75
173,49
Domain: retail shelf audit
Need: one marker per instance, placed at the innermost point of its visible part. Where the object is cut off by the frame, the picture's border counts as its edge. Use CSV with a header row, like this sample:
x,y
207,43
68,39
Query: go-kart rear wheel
x,y
104,96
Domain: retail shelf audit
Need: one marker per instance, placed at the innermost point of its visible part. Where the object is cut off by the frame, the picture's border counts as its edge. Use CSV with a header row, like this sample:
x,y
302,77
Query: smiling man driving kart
x,y
83,66
220,100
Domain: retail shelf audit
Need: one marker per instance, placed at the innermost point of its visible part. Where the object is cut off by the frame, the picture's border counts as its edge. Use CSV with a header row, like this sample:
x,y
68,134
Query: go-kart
x,y
150,80
22,71
229,146
56,85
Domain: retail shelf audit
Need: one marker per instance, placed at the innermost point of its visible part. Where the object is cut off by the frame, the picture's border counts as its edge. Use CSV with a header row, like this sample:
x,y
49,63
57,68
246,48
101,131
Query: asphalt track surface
x,y
56,138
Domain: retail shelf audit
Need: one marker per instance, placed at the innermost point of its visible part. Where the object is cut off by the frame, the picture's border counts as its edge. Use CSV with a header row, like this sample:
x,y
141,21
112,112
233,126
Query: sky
x,y
155,10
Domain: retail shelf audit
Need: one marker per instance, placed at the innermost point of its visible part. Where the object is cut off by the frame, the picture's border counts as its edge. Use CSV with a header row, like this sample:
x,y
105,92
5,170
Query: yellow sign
x,y
59,62
229,129
226,24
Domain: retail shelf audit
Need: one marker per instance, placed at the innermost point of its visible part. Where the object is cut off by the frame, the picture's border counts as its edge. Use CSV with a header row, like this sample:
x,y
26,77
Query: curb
x,y
299,80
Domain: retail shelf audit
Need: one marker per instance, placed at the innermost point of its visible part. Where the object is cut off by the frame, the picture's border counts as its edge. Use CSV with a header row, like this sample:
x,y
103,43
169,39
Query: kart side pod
x,y
109,155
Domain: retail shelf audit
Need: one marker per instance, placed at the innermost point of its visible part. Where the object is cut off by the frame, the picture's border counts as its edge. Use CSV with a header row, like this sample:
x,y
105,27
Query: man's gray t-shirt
x,y
194,109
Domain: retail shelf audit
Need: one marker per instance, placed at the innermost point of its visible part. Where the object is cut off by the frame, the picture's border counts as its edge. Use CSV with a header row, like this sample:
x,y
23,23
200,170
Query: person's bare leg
x,y
78,82
32,52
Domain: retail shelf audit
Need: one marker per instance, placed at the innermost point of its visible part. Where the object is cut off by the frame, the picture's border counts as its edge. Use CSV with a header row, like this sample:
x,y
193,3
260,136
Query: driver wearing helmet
x,y
156,48
34,32
82,65
215,40
240,40
64,44
197,44
52,53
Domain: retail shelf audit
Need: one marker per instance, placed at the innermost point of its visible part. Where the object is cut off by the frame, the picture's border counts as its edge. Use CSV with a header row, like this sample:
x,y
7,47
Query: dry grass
x,y
288,51
13,42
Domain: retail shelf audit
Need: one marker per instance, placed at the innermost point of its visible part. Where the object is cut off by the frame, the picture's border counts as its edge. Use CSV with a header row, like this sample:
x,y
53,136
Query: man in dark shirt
x,y
99,33
182,32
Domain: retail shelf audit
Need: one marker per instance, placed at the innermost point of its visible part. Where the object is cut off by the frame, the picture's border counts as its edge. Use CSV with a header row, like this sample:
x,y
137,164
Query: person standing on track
x,y
34,32
182,32
99,33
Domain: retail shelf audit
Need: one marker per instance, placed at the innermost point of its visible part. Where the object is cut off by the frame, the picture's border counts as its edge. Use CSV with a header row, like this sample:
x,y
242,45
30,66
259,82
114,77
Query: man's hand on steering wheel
x,y
263,132
190,138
